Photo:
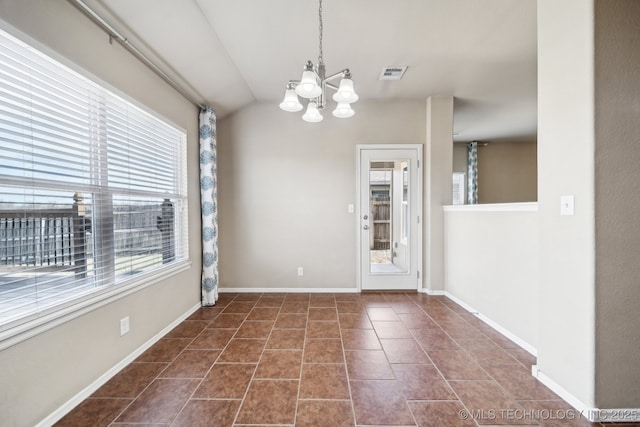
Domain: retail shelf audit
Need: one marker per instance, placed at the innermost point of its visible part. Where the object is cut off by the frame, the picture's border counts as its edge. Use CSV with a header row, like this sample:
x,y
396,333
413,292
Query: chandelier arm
x,y
331,85
340,73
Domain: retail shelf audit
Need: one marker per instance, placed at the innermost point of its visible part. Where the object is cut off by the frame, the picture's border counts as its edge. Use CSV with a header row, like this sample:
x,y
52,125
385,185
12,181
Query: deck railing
x,y
61,238
44,238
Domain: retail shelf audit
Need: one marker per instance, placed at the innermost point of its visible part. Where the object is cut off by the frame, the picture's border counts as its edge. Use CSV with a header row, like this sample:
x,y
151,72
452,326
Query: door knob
x,y
365,227
365,217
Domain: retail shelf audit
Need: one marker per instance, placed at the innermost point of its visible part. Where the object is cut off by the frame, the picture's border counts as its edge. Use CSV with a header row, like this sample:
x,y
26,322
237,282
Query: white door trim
x,y
359,149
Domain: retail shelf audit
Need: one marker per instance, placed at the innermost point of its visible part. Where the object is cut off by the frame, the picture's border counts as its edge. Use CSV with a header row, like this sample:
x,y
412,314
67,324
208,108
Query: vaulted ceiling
x,y
231,53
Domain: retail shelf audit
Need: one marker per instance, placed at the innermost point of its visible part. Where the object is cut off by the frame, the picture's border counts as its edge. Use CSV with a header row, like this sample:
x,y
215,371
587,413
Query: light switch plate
x,y
566,205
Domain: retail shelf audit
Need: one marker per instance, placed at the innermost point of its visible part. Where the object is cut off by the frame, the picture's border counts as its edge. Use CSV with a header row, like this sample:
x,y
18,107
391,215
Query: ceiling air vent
x,y
392,73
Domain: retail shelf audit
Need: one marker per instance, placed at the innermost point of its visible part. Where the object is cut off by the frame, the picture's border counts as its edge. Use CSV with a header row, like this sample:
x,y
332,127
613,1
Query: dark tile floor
x,y
383,359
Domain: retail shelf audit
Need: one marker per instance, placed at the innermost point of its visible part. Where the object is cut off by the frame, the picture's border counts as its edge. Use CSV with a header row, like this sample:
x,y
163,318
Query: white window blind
x,y
92,187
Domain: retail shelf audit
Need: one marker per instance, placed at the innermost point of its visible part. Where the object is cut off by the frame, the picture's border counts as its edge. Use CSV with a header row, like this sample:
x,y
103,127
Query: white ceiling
x,y
230,53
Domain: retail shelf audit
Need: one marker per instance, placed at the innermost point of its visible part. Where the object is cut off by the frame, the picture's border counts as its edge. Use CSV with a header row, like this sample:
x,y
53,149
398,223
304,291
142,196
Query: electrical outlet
x,y
300,271
124,325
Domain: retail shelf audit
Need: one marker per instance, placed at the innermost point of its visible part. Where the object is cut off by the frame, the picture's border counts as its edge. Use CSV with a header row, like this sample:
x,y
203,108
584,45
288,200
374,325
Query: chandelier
x,y
312,86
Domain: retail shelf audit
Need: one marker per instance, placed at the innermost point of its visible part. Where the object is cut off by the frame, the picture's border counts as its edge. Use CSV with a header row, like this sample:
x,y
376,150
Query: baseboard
x,y
560,391
56,415
290,290
484,318
531,349
594,415
431,293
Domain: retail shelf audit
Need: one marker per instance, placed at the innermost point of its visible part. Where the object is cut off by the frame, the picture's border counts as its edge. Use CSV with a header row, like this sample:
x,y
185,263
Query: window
x,y
92,187
458,188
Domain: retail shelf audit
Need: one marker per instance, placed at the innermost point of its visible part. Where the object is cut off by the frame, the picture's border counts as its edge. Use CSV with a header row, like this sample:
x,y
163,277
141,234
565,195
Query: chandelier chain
x,y
313,84
320,61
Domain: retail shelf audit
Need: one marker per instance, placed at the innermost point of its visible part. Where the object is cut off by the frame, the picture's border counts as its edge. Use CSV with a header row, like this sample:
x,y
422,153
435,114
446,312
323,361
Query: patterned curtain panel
x,y
209,205
472,173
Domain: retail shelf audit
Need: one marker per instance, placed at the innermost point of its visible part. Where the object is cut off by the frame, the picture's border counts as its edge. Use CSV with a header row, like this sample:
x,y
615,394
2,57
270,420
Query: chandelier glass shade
x,y
291,102
313,86
345,93
312,115
308,86
343,111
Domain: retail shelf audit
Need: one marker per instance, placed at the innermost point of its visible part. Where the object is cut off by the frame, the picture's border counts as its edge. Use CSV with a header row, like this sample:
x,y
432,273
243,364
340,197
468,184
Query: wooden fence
x,y
381,222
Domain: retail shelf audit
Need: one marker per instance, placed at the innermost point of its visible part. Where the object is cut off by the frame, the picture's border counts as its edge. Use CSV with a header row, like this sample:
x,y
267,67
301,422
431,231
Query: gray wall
x,y
617,200
460,158
438,188
507,170
39,375
284,187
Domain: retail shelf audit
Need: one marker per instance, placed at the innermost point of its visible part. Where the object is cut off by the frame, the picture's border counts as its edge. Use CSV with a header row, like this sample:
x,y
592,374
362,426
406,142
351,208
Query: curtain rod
x,y
84,8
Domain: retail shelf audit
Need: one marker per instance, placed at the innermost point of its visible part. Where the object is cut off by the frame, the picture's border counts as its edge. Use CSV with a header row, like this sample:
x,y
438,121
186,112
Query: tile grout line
x,y
475,360
246,392
210,367
436,366
346,367
304,347
406,402
156,378
420,302
471,357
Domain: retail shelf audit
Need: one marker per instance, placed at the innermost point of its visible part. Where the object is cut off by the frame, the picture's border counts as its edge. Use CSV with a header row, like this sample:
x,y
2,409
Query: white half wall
x,y
491,264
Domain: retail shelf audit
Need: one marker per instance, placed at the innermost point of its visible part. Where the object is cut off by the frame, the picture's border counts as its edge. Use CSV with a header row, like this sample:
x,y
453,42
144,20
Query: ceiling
x,y
231,53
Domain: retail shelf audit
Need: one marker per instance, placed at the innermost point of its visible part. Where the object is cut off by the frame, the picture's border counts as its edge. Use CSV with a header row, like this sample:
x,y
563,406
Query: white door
x,y
389,217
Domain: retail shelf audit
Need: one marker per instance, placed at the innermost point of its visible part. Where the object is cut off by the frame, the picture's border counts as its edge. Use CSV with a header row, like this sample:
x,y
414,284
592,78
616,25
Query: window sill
x,y
20,330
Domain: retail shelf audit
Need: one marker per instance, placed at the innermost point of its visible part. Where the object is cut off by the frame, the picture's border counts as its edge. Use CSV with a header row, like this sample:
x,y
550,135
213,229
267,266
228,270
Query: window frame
x,y
18,330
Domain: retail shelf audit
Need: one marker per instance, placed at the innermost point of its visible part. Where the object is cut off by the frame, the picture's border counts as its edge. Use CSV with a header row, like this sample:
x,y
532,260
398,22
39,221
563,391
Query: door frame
x,y
419,232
